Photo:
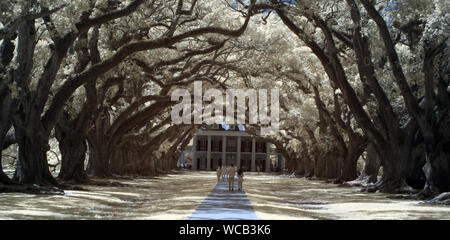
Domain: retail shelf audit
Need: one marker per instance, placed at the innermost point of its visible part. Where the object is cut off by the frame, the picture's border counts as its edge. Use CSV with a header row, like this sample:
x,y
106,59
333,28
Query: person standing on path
x,y
219,174
231,173
224,173
240,178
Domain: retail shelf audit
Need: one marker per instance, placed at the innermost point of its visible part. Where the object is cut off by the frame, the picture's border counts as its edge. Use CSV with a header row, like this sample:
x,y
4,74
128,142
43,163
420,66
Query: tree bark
x,y
437,138
99,143
7,104
33,158
371,166
6,142
99,155
118,161
415,176
395,159
437,164
300,162
315,155
72,145
349,171
4,179
333,162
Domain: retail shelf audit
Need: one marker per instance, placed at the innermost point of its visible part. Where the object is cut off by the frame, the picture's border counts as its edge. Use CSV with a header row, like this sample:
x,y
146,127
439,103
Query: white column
x,y
253,167
238,152
267,157
208,154
194,153
282,162
224,150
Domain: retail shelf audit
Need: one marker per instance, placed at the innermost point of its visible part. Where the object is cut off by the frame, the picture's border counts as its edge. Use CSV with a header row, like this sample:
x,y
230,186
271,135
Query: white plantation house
x,y
223,145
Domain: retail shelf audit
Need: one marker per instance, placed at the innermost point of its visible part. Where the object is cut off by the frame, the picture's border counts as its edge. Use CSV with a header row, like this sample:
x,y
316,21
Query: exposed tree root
x,y
443,198
389,186
106,183
31,189
427,194
338,181
5,180
355,183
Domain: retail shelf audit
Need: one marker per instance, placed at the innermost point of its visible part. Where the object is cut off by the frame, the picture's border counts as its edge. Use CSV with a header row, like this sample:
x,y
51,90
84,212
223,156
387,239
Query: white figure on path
x,y
240,174
219,174
225,173
231,173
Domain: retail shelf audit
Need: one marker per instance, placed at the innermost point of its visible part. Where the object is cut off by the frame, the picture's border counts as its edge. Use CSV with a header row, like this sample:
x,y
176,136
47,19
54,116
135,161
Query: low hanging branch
x,y
10,28
98,69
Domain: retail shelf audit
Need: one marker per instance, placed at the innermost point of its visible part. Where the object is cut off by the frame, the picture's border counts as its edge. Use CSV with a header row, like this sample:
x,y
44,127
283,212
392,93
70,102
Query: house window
x,y
216,145
231,144
260,147
202,144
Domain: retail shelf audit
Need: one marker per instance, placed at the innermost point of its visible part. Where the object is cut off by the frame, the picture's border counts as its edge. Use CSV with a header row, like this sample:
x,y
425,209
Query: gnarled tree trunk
x,y
99,155
355,148
72,146
371,166
393,160
438,165
32,155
